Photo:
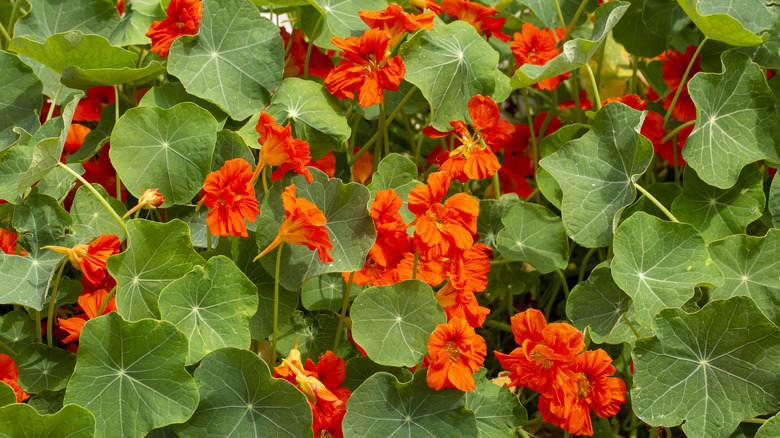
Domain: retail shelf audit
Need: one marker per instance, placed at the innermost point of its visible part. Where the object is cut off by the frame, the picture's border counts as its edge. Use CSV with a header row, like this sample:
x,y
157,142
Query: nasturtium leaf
x,y
576,52
239,397
489,222
42,367
398,173
361,368
48,143
751,266
646,26
13,165
7,395
139,15
340,18
658,263
314,115
736,115
235,61
88,210
48,17
350,228
170,94
19,134
384,407
774,202
231,145
551,143
16,329
156,255
769,429
597,172
20,420
175,144
212,305
131,376
50,81
534,234
510,279
74,48
313,336
718,213
326,292
196,220
84,78
20,91
665,193
498,411
47,402
719,365
393,323
599,304
450,64
547,12
733,23
59,182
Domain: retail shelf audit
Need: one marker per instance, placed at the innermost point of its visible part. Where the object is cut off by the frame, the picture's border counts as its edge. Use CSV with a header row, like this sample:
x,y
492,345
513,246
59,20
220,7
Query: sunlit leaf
x,y
20,420
42,367
498,411
534,234
16,328
88,210
489,222
75,49
20,91
733,23
48,17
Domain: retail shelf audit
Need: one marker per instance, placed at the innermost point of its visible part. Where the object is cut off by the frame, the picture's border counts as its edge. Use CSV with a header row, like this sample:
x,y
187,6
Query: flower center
x,y
451,348
584,388
541,359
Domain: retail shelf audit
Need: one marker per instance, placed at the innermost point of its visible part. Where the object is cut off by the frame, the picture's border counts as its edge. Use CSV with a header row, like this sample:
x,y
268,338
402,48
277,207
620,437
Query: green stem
x,y
560,15
99,198
12,15
656,202
499,325
574,20
50,318
420,138
5,347
584,264
600,63
116,119
378,147
276,302
674,161
208,238
530,120
308,49
595,84
54,103
631,326
565,285
496,187
38,330
654,432
683,81
414,265
534,420
754,420
607,427
676,130
346,290
386,136
5,35
106,300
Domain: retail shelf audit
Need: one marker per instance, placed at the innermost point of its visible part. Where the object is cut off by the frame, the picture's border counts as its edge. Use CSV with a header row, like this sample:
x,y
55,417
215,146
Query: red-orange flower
x,y
324,403
395,21
455,354
91,259
542,362
8,240
652,127
182,18
594,389
481,17
296,46
76,135
284,370
585,103
364,69
326,164
536,47
230,197
279,148
9,375
363,168
673,69
304,224
426,4
90,107
442,229
392,241
90,303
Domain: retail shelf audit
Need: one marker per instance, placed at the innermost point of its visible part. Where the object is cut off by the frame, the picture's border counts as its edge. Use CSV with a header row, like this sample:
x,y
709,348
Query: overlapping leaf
x,y
47,402
235,61
326,292
20,94
393,323
733,23
398,173
489,222
361,368
719,366
48,17
170,94
534,234
16,328
41,367
597,172
339,18
157,254
131,376
7,395
75,49
139,15
20,420
736,115
774,202
59,182
498,411
312,336
88,210
647,24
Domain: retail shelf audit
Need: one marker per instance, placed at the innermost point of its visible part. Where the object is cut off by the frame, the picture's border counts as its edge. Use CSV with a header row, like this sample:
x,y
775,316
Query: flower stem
x,y
116,118
414,265
50,318
609,432
594,83
5,347
530,119
38,331
99,198
654,432
584,264
496,187
682,81
560,15
631,326
346,290
208,238
276,302
565,285
656,202
106,300
676,130
53,103
754,420
308,49
574,20
5,35
386,136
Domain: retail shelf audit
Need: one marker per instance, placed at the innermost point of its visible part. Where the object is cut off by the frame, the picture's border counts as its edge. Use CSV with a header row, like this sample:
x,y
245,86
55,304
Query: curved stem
x,y
594,83
584,264
560,15
53,103
754,420
116,119
276,303
38,330
106,300
683,81
50,318
99,198
656,202
565,285
631,326
496,187
676,130
414,265
5,347
574,20
308,49
346,290
5,34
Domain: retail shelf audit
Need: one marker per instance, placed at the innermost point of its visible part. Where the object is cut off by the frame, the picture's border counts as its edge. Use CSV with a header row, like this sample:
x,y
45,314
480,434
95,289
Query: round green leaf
x,y
326,292
350,227
240,398
7,395
20,420
235,61
83,78
170,94
498,411
751,266
720,365
597,172
774,202
175,144
718,213
393,323
647,24
450,64
88,210
733,23
384,407
489,222
535,234
48,17
769,429
20,91
41,367
658,263
73,48
47,402
156,255
736,115
576,52
131,376
314,115
212,305
16,329
313,336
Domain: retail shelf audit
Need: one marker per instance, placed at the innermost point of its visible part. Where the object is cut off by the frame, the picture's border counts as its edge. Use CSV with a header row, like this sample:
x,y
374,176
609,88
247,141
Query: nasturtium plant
x,y
358,218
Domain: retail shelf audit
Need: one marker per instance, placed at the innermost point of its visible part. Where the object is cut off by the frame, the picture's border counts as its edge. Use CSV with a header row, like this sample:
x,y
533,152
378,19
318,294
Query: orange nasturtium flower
x,y
673,69
455,354
8,240
395,21
481,17
9,375
279,148
537,47
90,303
150,199
315,391
182,18
230,197
304,224
364,69
91,259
